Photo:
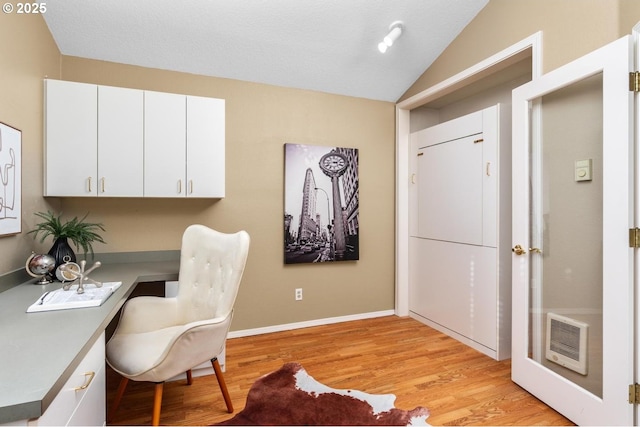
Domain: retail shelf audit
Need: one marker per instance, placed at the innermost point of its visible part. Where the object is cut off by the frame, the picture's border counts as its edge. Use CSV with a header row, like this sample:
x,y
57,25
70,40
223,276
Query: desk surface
x,y
39,351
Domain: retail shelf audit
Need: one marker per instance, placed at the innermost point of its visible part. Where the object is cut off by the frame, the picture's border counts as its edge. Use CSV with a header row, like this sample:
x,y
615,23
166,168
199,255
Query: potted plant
x,y
79,231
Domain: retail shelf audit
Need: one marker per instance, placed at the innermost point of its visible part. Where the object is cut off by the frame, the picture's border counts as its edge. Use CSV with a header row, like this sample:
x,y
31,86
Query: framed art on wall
x,y
321,216
10,180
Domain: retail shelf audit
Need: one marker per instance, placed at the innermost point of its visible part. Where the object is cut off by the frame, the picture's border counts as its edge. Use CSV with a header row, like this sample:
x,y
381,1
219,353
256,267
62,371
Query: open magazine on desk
x,y
64,300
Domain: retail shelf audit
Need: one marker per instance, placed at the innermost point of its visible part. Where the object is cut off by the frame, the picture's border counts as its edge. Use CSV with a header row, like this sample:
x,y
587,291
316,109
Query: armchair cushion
x,y
162,354
146,314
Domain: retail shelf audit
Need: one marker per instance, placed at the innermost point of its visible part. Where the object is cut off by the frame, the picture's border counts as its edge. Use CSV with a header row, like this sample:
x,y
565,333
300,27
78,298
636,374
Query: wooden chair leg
x,y
157,404
189,377
223,385
116,401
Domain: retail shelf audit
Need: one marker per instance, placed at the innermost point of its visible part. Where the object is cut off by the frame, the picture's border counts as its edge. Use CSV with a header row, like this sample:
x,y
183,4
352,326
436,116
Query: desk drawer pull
x,y
87,382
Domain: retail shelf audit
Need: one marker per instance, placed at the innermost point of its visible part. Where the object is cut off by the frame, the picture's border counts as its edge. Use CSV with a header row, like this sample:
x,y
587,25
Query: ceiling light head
x,y
393,35
395,31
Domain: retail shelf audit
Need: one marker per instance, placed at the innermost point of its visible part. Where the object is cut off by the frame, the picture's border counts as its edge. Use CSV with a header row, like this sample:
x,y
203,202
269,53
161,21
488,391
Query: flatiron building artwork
x,y
321,221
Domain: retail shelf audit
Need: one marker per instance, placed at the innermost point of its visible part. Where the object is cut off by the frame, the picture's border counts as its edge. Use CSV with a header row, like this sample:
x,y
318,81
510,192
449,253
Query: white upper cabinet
x,y
70,155
116,142
205,147
164,144
120,142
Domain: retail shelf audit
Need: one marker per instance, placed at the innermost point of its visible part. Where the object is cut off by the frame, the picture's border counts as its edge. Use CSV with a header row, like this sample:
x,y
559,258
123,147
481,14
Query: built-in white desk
x,y
40,351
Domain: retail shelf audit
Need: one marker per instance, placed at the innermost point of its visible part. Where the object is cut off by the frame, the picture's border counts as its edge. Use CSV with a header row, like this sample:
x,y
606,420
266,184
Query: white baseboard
x,y
309,323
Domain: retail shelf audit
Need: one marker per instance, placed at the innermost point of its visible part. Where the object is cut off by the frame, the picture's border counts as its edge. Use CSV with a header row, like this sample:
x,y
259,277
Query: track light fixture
x,y
395,31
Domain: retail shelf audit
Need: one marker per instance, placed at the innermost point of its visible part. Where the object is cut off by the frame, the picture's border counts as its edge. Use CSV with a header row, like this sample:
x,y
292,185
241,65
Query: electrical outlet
x,y
298,294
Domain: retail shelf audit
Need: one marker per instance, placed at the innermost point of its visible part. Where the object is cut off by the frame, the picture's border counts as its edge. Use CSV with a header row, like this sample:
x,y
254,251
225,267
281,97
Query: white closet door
x,y
120,142
450,170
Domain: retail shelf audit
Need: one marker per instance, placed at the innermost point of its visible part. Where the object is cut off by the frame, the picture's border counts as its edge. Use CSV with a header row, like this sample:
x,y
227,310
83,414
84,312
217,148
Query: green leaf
x,y
79,231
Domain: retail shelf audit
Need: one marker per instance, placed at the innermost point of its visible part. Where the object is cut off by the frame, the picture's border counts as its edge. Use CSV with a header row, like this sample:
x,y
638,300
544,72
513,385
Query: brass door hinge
x,y
634,393
634,81
634,237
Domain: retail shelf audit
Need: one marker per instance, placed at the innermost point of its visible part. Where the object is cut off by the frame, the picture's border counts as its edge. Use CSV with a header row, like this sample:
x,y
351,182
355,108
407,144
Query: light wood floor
x,y
419,365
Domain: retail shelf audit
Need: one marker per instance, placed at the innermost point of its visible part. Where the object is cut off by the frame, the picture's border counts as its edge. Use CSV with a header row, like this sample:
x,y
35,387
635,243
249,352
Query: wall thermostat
x,y
583,170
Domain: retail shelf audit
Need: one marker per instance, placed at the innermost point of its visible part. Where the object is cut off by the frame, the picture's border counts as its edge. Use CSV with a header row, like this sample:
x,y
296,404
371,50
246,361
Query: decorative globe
x,y
40,265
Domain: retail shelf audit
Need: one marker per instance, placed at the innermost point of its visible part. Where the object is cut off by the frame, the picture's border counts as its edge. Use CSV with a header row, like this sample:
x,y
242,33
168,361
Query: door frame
x,y
635,34
532,46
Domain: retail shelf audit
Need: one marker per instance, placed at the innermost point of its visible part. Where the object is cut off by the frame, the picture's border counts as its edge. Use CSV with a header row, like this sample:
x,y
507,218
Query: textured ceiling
x,y
322,45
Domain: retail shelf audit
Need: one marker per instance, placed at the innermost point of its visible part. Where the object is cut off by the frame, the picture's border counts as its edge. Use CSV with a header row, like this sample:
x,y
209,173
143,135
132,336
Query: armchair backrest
x,y
211,268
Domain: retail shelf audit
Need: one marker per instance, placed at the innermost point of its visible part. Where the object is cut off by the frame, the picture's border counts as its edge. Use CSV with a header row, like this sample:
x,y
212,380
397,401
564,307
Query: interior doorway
x,y
465,92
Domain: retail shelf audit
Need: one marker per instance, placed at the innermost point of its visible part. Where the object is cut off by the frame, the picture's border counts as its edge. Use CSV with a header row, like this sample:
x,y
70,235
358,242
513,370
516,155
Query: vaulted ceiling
x,y
321,45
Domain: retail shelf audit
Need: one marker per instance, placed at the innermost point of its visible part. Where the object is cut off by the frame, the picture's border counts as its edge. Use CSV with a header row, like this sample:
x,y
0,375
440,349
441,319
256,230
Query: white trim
x,y
308,323
402,210
483,68
490,65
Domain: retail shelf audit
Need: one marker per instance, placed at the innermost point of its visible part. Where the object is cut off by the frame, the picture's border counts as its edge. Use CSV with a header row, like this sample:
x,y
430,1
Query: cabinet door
x,y
205,147
71,114
164,144
92,409
120,142
81,401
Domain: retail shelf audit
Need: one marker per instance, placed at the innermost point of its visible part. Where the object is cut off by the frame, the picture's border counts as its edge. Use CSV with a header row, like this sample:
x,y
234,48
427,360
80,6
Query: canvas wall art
x,y
321,204
10,180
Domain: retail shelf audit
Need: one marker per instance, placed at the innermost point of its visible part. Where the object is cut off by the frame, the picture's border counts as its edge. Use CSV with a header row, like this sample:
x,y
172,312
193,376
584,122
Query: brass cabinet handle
x,y
87,382
535,250
517,249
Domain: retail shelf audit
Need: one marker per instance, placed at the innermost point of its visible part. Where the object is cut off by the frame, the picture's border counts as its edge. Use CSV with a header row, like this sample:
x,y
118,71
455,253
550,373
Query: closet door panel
x,y
490,176
455,287
450,197
441,292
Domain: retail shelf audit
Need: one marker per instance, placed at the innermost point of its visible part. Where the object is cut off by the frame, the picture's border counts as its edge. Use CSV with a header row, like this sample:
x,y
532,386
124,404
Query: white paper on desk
x,y
63,300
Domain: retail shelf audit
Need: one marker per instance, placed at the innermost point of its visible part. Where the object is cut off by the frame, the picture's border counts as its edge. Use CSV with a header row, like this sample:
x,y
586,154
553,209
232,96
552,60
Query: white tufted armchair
x,y
159,338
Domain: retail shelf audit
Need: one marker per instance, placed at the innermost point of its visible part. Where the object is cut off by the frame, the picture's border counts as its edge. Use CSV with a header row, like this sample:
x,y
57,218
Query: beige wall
x,y
260,119
28,54
571,28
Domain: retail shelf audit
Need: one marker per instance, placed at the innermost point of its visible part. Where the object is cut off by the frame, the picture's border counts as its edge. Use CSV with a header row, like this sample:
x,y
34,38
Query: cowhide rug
x,y
290,396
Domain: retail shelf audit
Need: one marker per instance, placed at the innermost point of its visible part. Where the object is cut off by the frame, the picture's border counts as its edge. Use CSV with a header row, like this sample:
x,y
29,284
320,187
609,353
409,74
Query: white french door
x,y
573,270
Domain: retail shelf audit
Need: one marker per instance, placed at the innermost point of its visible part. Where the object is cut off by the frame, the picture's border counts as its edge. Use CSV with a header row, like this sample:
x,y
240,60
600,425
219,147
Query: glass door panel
x,y
573,171
566,234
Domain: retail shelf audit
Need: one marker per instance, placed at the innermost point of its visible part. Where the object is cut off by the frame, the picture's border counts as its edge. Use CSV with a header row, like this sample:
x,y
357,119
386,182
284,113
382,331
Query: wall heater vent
x,y
567,342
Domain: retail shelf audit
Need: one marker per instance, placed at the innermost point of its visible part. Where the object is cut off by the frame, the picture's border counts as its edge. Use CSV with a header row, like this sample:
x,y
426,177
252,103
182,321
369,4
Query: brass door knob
x,y
517,249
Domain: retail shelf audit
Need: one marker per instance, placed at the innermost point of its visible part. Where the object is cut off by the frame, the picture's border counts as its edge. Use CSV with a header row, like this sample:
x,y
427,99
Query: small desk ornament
x,y
81,276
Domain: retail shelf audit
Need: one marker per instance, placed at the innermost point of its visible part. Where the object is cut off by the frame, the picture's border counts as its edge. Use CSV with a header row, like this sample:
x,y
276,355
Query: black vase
x,y
61,251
